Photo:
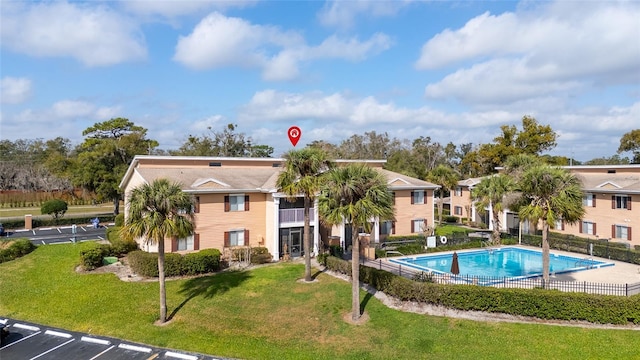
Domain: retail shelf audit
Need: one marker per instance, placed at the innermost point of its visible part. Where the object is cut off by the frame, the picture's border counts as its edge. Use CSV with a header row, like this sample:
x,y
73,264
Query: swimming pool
x,y
503,262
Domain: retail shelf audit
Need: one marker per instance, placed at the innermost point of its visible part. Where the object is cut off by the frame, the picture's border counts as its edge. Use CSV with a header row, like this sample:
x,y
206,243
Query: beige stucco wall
x,y
406,212
463,200
604,217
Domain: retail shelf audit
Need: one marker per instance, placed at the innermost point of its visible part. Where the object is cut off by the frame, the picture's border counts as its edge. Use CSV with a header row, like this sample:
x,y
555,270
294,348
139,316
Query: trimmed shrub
x,y
260,255
172,264
450,219
119,246
119,220
143,263
56,208
17,248
539,303
202,262
92,258
336,250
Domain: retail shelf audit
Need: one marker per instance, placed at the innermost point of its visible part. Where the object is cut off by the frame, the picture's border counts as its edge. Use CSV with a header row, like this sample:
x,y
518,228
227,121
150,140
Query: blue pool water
x,y
501,262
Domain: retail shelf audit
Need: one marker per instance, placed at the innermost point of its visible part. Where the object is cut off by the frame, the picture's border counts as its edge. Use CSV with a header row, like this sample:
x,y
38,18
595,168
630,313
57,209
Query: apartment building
x,y
610,191
238,204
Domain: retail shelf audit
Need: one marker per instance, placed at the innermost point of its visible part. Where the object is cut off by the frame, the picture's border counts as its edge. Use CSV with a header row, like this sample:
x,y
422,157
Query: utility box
x,y
431,241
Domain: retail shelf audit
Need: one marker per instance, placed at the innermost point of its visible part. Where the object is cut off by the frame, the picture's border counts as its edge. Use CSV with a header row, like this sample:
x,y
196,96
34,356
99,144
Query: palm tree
x,y
491,191
302,175
355,194
158,211
550,194
447,178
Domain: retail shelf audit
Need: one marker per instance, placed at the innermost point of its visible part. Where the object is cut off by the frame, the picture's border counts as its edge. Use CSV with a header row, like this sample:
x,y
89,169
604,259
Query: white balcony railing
x,y
295,215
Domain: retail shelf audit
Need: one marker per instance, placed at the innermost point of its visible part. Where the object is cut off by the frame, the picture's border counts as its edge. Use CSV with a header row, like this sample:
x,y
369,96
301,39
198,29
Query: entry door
x,y
296,242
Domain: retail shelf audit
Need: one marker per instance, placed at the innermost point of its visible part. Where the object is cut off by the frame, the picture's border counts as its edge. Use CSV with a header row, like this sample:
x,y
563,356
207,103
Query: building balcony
x,y
288,216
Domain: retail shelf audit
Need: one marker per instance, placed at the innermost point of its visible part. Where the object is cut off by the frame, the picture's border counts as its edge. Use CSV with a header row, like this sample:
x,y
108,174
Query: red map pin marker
x,y
294,134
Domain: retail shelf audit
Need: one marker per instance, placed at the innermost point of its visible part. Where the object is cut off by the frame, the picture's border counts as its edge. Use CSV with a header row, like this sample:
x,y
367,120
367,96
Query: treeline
x,y
97,165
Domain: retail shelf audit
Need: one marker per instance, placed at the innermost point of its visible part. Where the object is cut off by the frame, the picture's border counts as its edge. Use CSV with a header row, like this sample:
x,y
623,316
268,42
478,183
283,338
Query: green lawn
x,y
106,208
267,314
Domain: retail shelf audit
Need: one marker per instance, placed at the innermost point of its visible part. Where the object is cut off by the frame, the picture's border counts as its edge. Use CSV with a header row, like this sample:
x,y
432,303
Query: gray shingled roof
x,y
621,182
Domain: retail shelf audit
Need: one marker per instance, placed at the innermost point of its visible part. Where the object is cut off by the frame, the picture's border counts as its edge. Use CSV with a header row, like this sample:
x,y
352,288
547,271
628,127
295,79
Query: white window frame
x,y
622,202
419,197
236,202
186,244
236,237
558,224
457,210
587,200
418,225
458,191
587,227
622,232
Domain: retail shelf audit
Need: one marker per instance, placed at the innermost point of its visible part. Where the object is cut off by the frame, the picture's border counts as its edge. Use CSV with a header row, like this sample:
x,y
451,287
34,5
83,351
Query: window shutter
x,y
412,226
246,203
628,202
246,237
594,229
196,241
412,198
562,225
227,206
593,200
226,239
196,208
174,244
613,201
613,231
580,227
629,233
393,227
393,196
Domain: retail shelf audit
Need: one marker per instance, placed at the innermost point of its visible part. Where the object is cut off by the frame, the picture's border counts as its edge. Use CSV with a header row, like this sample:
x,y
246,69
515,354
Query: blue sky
x,y
455,71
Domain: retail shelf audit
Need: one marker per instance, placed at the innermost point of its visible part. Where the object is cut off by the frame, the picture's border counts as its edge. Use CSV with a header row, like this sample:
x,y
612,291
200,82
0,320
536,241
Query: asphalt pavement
x,y
61,234
28,341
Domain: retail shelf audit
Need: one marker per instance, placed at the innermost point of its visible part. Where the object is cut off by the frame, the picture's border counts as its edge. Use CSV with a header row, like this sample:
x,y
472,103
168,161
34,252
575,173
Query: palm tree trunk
x,y
545,253
355,273
307,241
496,227
440,205
163,293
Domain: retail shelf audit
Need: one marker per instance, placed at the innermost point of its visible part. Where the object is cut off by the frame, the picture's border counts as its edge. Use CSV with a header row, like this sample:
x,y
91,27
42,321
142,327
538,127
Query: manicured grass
x,y
266,314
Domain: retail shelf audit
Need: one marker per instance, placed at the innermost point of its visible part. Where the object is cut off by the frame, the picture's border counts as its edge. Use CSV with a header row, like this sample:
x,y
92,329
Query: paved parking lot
x,y
27,341
60,234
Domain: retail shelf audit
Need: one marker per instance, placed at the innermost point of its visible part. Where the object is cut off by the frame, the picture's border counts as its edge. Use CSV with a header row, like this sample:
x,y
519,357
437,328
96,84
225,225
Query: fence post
x,y
380,266
400,270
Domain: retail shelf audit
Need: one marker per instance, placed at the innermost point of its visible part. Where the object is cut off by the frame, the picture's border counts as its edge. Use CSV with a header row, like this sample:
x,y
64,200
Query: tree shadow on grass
x,y
210,286
365,301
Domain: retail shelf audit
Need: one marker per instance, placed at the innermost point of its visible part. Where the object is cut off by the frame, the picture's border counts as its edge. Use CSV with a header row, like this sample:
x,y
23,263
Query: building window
x,y
458,191
386,227
417,197
587,227
621,232
185,243
559,225
418,225
457,210
621,202
236,238
589,200
236,202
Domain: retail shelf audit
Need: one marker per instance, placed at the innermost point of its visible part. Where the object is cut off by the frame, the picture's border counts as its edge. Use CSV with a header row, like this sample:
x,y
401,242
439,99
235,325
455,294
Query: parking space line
x,y
50,350
49,228
3,321
95,341
135,348
95,357
24,338
60,231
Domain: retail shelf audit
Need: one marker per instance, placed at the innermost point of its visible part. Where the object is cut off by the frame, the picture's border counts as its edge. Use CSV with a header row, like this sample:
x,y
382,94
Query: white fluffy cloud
x,y
343,14
93,35
552,48
14,90
221,41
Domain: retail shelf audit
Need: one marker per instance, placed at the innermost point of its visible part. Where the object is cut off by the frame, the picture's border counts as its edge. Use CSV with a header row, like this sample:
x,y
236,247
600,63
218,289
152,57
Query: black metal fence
x,y
503,282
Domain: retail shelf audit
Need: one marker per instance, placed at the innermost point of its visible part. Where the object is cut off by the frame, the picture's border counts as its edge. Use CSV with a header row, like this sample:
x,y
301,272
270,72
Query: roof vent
x,y
611,171
215,164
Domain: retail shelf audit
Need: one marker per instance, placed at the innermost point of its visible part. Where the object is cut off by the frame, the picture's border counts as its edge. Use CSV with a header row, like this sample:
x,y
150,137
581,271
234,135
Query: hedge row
x,y
202,262
16,249
539,303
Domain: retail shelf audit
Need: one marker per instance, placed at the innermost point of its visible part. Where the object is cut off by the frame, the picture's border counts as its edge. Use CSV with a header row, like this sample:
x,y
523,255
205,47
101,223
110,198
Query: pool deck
x,y
620,273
